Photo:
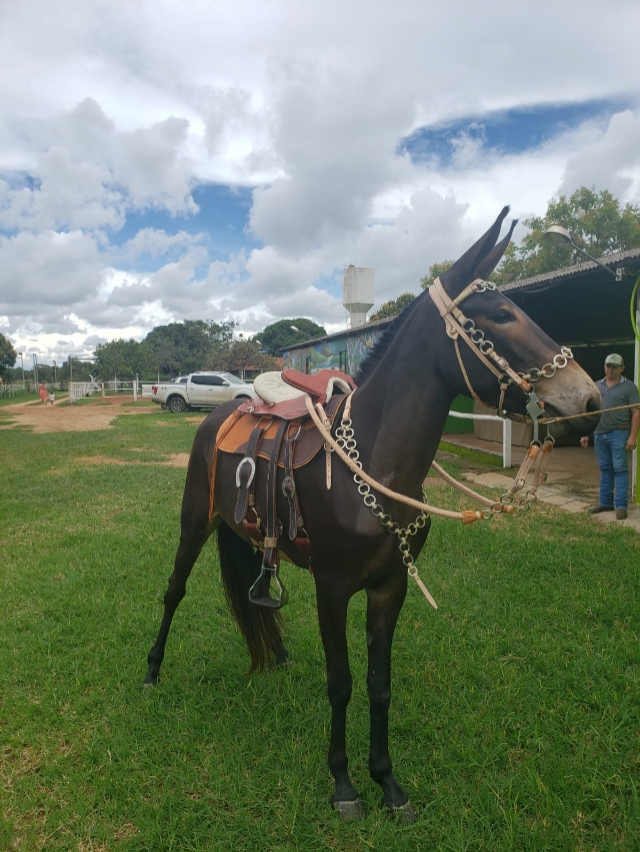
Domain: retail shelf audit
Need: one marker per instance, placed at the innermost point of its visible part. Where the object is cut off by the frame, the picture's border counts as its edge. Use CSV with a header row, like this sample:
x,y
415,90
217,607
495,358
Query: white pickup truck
x,y
201,390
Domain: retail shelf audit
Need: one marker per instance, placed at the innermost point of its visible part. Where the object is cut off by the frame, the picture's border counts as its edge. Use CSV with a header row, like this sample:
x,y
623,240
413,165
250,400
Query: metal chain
x,y
346,441
559,362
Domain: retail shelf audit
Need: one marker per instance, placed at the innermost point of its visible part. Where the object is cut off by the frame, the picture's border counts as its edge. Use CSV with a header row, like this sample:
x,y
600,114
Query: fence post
x,y
506,442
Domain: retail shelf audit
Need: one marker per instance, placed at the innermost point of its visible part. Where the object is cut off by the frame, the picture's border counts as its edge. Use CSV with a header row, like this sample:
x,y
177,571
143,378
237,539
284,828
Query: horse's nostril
x,y
592,405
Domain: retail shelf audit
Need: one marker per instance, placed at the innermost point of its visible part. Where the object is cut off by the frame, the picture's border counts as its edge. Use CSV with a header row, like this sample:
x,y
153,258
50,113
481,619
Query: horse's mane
x,y
374,356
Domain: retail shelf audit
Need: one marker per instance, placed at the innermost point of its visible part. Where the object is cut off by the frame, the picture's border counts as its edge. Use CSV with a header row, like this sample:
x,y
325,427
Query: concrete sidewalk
x,y
572,482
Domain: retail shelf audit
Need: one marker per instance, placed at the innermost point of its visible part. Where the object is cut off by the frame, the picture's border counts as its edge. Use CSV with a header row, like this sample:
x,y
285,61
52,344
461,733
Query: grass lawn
x,y
515,722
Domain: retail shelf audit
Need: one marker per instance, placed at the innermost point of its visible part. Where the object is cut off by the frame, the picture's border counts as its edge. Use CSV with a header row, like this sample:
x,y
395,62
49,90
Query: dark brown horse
x,y
405,388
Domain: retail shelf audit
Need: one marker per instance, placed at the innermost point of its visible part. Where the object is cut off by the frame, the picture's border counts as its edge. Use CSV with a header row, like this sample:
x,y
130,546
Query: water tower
x,y
357,293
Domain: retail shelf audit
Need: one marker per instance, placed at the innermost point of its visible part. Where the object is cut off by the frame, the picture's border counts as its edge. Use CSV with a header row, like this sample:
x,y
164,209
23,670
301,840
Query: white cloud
x,y
114,107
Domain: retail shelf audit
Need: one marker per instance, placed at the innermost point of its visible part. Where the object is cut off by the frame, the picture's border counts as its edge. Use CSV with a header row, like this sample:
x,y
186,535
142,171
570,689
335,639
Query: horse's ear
x,y
465,269
486,266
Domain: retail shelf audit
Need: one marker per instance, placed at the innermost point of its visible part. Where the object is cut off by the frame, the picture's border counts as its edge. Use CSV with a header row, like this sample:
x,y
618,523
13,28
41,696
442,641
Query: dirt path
x,y
63,417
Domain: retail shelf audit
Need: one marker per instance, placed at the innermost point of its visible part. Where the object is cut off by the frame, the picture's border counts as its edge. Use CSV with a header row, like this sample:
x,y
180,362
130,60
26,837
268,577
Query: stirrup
x,y
266,600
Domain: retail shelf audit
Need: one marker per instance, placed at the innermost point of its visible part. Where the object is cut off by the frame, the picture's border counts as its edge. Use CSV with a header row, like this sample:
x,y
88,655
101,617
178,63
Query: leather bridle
x,y
460,326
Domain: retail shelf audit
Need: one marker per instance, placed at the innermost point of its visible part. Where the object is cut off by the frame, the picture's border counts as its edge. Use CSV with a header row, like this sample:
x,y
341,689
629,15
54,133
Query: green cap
x,y
614,360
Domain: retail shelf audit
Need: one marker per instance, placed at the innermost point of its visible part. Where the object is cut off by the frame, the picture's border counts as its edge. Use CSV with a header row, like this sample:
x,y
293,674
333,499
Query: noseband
x,y
460,326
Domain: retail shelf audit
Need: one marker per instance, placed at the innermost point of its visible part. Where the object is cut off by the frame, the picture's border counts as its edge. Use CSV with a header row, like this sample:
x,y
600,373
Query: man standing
x,y
615,434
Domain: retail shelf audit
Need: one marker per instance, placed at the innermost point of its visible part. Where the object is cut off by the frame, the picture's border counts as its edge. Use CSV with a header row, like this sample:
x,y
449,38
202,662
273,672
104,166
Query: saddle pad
x,y
273,389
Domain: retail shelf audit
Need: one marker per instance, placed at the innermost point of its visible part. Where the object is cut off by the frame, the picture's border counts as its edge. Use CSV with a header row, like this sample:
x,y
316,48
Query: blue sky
x,y
509,131
223,215
164,162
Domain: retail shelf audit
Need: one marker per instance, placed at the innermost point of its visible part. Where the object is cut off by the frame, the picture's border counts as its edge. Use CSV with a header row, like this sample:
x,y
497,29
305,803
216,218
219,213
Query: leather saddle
x,y
278,430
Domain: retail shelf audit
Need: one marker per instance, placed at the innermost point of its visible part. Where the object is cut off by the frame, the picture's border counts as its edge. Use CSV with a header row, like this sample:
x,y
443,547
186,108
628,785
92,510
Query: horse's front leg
x,y
332,615
383,607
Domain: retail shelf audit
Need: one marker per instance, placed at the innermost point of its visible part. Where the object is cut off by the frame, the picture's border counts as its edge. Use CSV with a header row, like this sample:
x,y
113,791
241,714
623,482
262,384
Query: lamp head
x,y
558,236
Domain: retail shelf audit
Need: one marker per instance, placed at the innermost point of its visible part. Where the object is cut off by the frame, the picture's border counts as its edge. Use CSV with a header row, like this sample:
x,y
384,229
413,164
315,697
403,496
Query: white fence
x,y
506,431
80,390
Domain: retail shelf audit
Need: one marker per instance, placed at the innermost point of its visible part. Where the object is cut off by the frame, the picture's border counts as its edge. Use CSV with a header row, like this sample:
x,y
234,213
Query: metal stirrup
x,y
282,595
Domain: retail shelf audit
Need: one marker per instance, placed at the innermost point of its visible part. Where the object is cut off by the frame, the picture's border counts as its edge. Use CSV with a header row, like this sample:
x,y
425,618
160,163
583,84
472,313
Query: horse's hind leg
x,y
195,530
383,607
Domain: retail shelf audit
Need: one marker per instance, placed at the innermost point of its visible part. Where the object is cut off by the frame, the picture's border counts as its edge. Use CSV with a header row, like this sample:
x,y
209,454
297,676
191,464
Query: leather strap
x,y
245,474
455,319
289,487
271,557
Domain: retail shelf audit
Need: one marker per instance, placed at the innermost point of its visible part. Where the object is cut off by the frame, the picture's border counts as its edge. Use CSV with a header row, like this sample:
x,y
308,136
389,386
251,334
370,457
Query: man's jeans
x,y
611,456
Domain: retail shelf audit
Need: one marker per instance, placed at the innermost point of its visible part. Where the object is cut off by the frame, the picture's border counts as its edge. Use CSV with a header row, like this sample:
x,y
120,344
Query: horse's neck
x,y
400,411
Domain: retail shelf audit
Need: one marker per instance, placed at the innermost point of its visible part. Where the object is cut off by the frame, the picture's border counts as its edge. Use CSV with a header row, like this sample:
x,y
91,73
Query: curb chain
x,y
346,441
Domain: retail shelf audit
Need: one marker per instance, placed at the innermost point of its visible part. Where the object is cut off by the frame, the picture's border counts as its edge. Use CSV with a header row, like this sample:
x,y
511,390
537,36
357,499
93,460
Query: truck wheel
x,y
176,405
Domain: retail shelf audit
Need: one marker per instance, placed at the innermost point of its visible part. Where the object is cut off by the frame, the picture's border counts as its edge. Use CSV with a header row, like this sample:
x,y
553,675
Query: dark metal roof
x,y
581,304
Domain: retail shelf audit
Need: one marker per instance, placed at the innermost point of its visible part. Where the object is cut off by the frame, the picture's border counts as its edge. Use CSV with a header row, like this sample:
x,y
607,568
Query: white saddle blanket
x,y
272,388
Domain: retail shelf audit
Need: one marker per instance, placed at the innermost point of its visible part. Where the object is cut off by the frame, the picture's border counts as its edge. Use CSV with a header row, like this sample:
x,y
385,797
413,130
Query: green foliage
x,y
597,222
280,334
183,347
393,307
180,347
435,271
240,356
8,354
125,359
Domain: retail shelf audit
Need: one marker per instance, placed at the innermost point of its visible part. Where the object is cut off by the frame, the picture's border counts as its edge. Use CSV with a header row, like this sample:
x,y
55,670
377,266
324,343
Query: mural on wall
x,y
345,353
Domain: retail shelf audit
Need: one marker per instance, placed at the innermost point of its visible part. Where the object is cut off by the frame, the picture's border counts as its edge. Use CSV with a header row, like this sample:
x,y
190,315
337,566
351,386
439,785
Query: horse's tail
x,y
260,626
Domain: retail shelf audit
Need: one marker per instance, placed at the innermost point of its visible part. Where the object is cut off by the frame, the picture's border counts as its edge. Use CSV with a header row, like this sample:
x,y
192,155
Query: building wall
x,y
341,352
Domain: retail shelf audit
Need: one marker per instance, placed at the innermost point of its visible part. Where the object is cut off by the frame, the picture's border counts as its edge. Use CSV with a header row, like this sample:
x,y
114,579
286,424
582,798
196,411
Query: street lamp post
x,y
559,236
306,336
22,366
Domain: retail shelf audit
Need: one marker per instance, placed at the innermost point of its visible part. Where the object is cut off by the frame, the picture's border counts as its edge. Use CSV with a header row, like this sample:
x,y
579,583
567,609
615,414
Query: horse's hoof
x,y
151,679
348,811
403,814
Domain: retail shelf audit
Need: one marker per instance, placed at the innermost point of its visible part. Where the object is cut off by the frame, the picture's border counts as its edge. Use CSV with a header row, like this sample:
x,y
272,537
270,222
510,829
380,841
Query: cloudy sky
x,y
225,159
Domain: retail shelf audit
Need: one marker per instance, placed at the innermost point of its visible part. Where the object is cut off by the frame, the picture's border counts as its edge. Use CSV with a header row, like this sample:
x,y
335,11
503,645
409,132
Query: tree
x,y
241,356
8,354
597,223
183,347
435,271
280,334
392,307
125,359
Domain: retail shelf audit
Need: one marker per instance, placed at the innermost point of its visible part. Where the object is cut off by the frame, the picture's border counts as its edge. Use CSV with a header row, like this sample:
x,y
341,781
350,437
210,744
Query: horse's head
x,y
503,356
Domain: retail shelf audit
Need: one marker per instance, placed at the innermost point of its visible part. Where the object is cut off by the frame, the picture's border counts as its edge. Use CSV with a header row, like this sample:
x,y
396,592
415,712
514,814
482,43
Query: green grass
x,y
477,456
20,396
515,722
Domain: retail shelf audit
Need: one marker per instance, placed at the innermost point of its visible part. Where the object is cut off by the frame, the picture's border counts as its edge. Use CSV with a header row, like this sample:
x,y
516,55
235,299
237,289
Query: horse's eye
x,y
502,317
